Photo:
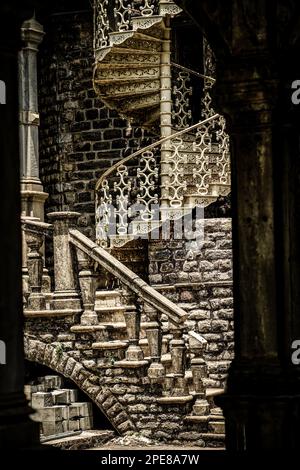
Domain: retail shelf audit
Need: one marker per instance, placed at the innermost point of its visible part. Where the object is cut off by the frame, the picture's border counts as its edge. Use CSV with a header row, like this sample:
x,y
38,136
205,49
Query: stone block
x,y
201,407
74,425
64,396
86,423
50,428
187,296
217,427
219,325
80,410
51,382
137,408
41,400
204,326
54,413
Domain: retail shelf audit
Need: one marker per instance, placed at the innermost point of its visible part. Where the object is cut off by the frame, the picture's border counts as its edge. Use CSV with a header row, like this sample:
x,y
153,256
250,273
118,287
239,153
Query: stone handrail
x,y
127,277
34,225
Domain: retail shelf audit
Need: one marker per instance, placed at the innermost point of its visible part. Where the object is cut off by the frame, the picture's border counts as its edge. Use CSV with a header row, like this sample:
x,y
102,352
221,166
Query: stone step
x,y
126,89
135,40
110,345
129,65
127,56
112,314
64,396
117,74
104,54
140,102
109,297
80,441
213,440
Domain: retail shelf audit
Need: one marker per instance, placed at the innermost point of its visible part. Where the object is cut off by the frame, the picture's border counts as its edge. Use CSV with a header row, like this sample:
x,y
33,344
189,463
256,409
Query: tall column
x,y
165,114
256,65
261,403
33,197
16,428
66,294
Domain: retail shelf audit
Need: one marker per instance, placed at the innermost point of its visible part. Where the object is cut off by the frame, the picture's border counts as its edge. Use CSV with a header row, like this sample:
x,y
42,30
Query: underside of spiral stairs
x,y
128,55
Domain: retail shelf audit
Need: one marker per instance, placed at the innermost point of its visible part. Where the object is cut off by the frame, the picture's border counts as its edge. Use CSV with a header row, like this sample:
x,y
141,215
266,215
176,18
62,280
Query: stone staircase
x,y
127,72
110,349
127,348
133,74
64,421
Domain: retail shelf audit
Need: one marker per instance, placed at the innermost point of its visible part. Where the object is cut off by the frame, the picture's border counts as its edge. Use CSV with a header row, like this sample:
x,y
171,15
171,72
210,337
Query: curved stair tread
x,y
136,54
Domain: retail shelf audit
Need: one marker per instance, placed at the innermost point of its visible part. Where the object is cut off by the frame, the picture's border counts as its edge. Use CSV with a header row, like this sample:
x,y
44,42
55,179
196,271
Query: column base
x,y
134,353
21,435
36,301
261,407
17,430
201,407
156,372
89,318
33,198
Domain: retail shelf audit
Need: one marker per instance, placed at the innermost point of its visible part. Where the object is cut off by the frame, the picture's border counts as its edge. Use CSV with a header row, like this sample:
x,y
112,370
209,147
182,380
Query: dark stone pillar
x,y
259,402
16,428
257,45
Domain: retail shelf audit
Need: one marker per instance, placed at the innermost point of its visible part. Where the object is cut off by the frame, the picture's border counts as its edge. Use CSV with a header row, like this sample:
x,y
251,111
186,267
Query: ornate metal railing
x,y
128,194
118,16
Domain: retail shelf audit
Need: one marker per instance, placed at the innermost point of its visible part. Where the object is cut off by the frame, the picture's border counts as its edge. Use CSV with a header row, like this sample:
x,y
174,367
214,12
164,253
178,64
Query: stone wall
x,y
125,395
200,281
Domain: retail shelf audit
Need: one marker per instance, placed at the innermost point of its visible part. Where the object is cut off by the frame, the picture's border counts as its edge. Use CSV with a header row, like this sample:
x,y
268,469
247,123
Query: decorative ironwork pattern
x,y
182,92
212,172
101,24
116,16
131,193
122,13
177,183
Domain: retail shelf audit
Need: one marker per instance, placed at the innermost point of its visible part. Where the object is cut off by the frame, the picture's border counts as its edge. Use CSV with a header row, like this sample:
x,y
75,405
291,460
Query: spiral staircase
x,y
189,165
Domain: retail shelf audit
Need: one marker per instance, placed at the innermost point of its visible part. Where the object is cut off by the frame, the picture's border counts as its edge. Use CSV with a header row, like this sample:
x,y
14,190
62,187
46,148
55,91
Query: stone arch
x,y
61,362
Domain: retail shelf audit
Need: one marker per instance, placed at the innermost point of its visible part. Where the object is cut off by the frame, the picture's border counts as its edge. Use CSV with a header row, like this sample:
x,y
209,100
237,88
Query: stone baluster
x,y
156,371
66,294
34,241
178,356
178,350
175,389
133,325
87,281
134,356
197,345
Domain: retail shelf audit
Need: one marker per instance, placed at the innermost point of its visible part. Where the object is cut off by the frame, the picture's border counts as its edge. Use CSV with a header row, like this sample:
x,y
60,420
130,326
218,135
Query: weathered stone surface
x,y
77,410
137,408
54,413
41,400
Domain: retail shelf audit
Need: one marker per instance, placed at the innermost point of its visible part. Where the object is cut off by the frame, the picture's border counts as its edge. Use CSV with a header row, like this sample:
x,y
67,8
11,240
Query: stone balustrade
x,y
75,260
34,233
87,282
